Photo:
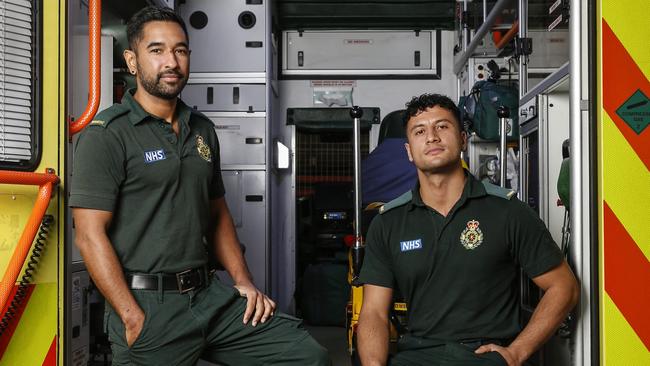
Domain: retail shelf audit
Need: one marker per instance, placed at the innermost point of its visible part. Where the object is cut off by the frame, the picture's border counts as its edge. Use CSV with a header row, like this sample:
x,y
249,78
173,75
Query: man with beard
x,y
148,199
454,246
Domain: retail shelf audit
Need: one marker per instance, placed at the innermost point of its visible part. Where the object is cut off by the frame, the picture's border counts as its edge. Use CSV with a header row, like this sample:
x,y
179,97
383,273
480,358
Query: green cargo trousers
x,y
180,329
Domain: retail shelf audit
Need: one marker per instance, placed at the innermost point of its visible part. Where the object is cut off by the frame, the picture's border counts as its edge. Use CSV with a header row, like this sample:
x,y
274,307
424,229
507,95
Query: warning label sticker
x,y
636,111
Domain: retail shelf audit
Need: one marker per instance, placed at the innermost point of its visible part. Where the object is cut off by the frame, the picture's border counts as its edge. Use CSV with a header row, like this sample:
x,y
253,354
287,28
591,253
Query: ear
x,y
463,139
408,151
131,60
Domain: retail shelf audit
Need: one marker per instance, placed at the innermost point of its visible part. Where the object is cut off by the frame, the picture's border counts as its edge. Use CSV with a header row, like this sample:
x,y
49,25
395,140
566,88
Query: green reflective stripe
x,y
497,191
399,201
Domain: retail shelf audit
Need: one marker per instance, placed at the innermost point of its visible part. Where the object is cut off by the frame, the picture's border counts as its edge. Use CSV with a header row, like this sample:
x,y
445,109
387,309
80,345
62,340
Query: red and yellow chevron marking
x,y
624,181
33,341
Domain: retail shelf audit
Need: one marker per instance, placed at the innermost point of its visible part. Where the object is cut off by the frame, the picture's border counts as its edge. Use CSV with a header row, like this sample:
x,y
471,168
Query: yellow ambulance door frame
x,y
37,338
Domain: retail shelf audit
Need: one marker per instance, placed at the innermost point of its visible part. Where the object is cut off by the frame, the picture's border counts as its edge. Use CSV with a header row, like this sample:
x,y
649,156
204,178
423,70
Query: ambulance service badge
x,y
204,150
472,236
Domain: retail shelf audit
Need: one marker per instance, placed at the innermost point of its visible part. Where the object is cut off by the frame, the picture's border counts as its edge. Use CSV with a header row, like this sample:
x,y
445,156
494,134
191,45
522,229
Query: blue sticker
x,y
153,156
408,245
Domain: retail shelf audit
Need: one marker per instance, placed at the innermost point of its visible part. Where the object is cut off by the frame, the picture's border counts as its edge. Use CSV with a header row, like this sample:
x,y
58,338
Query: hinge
x,y
523,47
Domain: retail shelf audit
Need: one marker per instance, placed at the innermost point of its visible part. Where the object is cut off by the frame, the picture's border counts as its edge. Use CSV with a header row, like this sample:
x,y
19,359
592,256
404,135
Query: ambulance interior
x,y
278,79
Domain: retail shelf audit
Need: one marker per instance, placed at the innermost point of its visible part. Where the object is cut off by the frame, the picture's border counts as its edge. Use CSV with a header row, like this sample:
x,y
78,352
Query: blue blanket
x,y
386,172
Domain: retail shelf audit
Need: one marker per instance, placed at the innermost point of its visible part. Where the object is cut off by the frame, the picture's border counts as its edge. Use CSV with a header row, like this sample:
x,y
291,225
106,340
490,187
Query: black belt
x,y
409,342
191,279
476,343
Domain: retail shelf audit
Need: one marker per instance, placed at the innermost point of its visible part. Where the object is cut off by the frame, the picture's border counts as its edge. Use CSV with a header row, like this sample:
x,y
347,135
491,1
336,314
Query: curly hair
x,y
420,104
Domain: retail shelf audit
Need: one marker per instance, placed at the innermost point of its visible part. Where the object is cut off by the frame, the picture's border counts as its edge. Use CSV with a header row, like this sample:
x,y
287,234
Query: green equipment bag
x,y
479,109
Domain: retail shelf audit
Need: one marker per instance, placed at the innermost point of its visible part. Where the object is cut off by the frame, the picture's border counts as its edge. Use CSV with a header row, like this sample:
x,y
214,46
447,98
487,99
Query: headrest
x,y
392,126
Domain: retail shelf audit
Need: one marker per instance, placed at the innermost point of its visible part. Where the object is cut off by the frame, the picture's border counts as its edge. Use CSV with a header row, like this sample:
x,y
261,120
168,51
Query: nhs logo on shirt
x,y
154,155
408,245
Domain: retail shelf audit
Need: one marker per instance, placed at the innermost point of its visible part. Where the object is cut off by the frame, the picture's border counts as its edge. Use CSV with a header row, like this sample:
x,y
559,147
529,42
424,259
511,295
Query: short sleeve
x,y
376,269
98,170
531,242
217,189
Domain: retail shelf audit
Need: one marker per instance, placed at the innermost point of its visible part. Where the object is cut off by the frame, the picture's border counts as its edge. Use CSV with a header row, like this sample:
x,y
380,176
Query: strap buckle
x,y
185,281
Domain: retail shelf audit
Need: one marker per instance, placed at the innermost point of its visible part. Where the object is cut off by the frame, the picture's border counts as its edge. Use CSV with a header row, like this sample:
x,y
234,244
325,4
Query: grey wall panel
x,y
226,97
218,42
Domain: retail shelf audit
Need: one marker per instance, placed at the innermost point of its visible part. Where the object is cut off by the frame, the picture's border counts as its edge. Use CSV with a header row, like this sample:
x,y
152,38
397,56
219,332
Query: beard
x,y
155,87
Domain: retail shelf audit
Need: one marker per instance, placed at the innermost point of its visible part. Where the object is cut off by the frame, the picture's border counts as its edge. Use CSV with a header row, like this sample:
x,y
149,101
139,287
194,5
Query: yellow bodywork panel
x,y
39,324
623,176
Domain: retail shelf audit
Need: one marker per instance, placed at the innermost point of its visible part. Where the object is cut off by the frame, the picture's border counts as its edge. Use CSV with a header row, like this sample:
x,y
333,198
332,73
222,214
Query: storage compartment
x,y
226,35
225,97
360,53
242,140
246,198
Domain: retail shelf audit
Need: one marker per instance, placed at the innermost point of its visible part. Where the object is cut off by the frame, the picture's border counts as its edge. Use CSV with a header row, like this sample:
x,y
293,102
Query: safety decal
x,y
472,236
204,150
636,111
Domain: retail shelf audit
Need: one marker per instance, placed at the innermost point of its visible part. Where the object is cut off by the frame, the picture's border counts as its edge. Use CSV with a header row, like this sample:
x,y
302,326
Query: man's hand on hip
x,y
259,306
133,325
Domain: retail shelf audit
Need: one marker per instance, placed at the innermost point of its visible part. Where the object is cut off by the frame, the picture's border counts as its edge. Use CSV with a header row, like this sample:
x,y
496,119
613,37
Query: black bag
x,y
325,294
479,109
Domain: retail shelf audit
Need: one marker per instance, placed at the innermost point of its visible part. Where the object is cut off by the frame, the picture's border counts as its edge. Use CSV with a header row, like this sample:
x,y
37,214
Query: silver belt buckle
x,y
180,278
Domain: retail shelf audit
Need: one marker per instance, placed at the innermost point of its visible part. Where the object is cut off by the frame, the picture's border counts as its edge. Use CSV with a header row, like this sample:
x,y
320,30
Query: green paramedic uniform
x,y
159,186
459,273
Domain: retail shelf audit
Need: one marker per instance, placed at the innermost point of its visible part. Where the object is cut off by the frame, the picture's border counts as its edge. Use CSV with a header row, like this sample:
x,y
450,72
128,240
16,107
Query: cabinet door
x,y
241,140
374,52
246,198
226,35
225,97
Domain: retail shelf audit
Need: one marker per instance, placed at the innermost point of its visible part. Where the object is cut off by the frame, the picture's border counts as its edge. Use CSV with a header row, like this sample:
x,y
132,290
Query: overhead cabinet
x,y
360,53
227,35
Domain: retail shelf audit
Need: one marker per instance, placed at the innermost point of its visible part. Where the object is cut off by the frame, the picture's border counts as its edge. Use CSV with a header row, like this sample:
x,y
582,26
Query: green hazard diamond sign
x,y
636,111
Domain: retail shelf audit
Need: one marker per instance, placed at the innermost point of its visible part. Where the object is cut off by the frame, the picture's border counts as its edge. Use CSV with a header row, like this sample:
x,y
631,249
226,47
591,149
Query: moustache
x,y
170,73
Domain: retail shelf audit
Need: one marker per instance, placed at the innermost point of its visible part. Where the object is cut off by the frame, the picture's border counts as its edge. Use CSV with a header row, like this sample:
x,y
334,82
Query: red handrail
x,y
94,66
46,182
510,34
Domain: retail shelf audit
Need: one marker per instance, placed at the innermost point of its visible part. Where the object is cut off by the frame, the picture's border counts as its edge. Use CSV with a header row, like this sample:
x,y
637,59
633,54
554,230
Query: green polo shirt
x,y
157,185
459,273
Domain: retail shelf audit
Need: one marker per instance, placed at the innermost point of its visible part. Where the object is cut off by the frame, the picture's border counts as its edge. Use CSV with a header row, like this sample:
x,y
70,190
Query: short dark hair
x,y
150,14
420,104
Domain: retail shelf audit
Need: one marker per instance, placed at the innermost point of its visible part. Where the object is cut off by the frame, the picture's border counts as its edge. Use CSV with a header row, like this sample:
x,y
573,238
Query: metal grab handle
x,y
357,250
46,182
504,114
94,67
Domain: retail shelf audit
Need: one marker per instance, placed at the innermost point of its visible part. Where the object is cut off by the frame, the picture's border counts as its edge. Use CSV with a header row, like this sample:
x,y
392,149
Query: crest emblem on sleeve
x,y
203,149
472,236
